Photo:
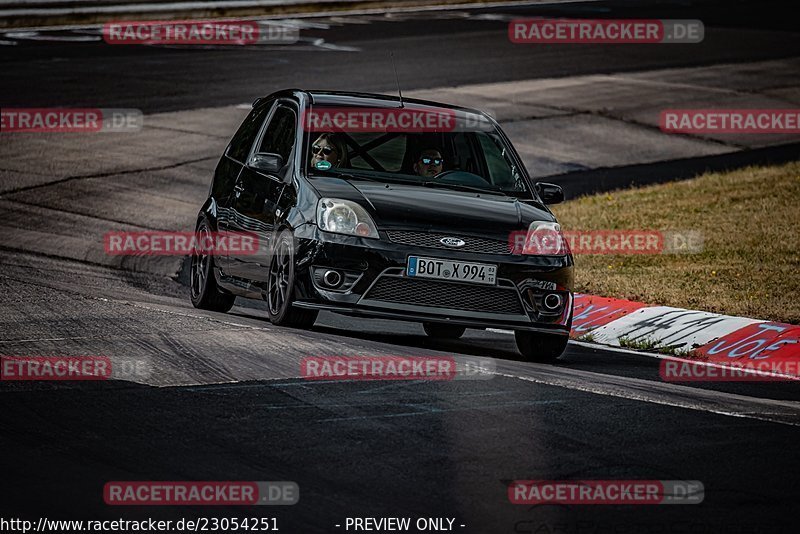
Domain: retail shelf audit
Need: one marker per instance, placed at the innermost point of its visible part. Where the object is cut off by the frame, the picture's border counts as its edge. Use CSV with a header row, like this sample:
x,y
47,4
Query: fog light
x,y
553,301
332,279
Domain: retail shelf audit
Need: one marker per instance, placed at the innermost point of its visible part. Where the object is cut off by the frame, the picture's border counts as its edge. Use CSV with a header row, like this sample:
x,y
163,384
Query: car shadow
x,y
469,345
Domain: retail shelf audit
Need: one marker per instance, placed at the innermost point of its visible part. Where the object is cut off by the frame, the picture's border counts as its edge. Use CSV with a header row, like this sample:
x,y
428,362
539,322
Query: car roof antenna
x,y
396,79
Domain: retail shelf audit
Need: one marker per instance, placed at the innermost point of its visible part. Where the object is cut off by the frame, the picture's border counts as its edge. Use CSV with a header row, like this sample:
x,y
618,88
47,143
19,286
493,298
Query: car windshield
x,y
425,146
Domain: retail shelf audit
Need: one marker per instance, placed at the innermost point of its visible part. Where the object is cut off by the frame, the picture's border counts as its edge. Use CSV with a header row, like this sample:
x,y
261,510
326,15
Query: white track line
x,y
666,394
36,36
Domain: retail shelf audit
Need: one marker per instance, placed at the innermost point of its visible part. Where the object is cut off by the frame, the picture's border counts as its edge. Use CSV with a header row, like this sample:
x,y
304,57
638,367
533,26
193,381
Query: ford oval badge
x,y
452,242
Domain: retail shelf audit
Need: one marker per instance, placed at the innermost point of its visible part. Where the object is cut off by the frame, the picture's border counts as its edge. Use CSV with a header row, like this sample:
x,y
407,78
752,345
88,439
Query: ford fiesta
x,y
374,206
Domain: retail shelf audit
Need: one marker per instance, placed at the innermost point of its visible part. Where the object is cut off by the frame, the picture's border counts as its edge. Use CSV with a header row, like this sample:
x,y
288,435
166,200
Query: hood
x,y
397,206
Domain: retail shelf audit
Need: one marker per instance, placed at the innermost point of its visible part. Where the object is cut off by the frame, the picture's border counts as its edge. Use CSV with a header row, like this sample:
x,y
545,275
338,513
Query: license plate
x,y
477,273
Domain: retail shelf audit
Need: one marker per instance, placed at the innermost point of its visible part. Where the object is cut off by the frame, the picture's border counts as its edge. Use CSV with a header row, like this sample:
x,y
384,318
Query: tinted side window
x,y
244,138
279,137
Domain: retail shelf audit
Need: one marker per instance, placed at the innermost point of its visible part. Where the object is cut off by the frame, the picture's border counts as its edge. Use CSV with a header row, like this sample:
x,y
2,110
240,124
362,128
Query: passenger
x,y
329,147
429,163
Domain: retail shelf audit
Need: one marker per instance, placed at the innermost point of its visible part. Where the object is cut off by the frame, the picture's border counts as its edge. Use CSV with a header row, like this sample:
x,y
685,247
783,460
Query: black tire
x,y
444,331
280,287
541,348
205,293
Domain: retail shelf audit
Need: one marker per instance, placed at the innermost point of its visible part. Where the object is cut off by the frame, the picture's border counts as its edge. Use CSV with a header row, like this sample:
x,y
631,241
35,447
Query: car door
x,y
230,166
258,189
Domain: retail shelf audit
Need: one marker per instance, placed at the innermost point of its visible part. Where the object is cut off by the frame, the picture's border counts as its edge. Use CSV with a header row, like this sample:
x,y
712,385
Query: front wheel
x,y
280,287
206,295
443,331
541,348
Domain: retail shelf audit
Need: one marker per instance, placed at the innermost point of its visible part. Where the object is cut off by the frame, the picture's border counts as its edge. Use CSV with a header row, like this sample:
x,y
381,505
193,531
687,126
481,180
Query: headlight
x,y
545,239
345,217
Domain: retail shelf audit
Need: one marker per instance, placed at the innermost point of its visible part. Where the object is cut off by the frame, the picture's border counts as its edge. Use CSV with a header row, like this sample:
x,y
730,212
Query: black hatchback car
x,y
374,206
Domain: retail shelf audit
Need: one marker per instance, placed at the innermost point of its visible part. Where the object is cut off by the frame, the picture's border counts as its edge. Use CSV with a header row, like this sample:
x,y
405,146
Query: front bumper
x,y
377,285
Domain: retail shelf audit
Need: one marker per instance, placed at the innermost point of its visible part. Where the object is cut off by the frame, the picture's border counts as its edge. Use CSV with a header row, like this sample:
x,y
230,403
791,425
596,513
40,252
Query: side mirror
x,y
264,161
549,193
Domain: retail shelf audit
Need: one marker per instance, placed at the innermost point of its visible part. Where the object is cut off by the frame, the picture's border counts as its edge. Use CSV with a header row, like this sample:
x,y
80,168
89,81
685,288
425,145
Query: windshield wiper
x,y
347,174
461,187
342,174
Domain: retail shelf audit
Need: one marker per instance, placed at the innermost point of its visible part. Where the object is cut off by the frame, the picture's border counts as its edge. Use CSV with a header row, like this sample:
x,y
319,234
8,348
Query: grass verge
x,y
750,261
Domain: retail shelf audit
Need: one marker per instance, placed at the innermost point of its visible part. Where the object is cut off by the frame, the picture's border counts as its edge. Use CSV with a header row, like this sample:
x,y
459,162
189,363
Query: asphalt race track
x,y
222,399
430,50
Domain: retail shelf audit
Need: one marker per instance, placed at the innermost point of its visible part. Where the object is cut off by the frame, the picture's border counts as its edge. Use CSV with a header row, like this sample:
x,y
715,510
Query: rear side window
x,y
244,138
280,135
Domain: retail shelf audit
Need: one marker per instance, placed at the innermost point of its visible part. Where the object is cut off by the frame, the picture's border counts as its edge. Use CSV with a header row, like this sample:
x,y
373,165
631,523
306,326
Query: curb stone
x,y
690,334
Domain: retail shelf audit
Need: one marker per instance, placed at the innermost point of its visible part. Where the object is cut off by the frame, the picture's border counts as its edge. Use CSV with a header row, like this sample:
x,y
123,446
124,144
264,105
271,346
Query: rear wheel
x,y
206,295
443,331
542,348
280,287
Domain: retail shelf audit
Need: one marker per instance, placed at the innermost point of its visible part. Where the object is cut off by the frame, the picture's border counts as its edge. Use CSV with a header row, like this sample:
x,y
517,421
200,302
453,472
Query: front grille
x,y
473,244
436,294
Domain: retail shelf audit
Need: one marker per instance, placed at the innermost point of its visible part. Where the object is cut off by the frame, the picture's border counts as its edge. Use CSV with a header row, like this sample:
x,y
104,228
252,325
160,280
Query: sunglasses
x,y
326,150
428,161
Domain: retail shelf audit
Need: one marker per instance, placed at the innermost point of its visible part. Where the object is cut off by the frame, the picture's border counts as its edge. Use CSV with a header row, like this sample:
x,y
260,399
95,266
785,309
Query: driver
x,y
429,163
329,147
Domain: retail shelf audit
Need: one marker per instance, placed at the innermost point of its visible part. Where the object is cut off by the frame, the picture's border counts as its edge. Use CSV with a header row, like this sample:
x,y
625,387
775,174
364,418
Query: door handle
x,y
238,188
